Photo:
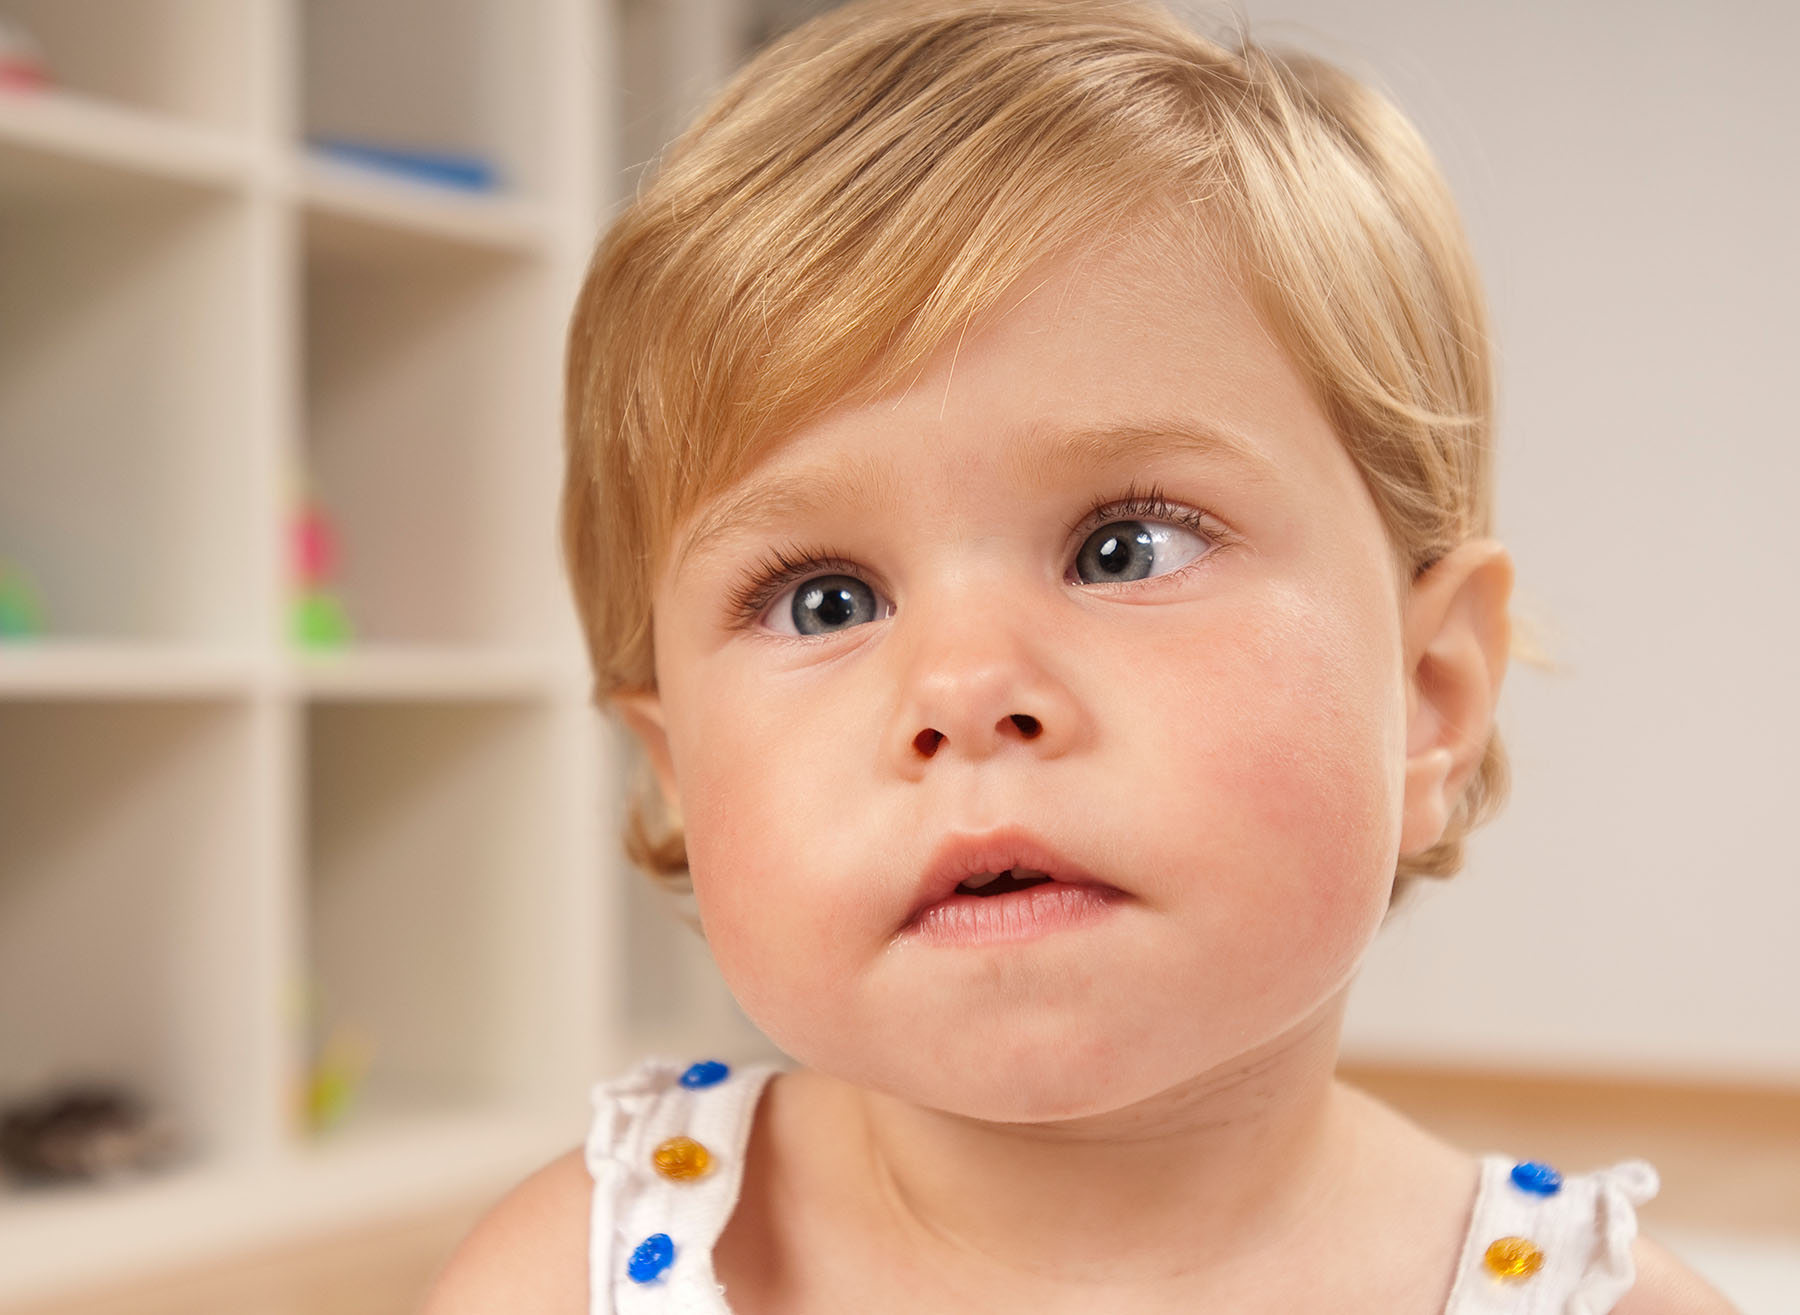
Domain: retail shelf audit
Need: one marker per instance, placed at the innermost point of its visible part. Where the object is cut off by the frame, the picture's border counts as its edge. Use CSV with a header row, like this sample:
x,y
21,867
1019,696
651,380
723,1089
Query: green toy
x,y
21,607
336,1071
337,1078
320,621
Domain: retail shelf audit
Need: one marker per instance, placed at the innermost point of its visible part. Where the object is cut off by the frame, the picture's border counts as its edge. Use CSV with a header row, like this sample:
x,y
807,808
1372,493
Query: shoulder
x,y
529,1253
1665,1286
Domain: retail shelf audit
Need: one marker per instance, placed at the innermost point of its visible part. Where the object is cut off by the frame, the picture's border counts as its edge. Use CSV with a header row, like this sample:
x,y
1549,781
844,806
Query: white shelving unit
x,y
216,848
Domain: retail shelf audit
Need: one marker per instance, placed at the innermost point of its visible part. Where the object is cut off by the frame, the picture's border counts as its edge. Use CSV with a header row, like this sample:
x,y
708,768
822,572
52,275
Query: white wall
x,y
1627,173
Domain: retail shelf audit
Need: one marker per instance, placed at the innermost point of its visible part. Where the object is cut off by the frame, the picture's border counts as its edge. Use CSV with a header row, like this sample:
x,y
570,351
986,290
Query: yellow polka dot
x,y
681,1158
1513,1257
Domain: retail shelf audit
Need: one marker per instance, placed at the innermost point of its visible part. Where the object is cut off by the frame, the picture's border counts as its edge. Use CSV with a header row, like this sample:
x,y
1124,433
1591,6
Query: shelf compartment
x,y
184,58
125,904
125,399
430,832
433,441
455,76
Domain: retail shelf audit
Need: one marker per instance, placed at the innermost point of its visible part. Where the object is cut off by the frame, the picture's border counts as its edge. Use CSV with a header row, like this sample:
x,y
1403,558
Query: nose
x,y
973,686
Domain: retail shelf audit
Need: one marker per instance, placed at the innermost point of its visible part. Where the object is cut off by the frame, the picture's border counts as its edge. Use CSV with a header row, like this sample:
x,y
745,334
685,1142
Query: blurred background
x,y
313,924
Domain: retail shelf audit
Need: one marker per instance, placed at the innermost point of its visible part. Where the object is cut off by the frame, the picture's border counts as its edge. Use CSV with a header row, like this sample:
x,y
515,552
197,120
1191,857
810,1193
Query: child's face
x,y
1204,707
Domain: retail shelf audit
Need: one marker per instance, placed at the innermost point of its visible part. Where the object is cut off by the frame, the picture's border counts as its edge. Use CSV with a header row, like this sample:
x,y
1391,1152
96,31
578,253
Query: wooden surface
x,y
1729,1159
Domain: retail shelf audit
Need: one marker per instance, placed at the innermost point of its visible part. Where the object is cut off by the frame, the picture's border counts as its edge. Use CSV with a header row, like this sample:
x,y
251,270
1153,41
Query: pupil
x,y
1124,550
832,602
832,607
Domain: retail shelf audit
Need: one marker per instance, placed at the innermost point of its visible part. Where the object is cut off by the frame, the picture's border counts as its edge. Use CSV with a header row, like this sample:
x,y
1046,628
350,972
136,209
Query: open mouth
x,y
1002,883
983,888
1002,905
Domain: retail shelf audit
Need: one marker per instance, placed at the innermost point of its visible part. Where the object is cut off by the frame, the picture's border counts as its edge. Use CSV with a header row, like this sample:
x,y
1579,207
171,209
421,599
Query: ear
x,y
642,713
1457,636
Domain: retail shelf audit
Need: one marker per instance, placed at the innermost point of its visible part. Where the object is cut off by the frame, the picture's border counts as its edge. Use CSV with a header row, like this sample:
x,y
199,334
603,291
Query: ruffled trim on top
x,y
1621,1190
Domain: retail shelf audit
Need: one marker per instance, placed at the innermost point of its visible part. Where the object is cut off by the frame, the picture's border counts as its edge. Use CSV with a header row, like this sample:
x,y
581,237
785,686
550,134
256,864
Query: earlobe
x,y
642,713
1457,635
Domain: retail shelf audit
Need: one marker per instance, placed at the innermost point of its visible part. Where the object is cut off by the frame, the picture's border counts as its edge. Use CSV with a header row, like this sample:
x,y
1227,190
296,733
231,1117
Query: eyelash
x,y
1151,504
780,568
764,582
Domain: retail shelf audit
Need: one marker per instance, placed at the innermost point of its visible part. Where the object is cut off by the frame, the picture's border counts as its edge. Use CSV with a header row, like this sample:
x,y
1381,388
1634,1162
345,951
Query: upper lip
x,y
960,857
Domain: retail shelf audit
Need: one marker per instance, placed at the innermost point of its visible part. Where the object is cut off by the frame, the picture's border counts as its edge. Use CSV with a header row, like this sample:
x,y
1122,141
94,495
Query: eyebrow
x,y
1053,451
770,501
1048,454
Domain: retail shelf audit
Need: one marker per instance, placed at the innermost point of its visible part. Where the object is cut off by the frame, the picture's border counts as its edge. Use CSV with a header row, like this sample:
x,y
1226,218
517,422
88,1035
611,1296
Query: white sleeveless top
x,y
1536,1245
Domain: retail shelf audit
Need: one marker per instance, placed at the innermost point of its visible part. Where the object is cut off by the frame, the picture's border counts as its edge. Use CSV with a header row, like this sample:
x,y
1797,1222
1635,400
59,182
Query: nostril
x,y
927,741
1029,727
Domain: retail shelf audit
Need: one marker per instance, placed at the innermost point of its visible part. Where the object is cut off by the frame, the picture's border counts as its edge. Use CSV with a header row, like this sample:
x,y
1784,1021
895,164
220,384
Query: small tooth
x,y
977,882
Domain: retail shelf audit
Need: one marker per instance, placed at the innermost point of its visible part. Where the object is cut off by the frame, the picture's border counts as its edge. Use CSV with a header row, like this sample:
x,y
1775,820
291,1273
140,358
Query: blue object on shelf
x,y
469,173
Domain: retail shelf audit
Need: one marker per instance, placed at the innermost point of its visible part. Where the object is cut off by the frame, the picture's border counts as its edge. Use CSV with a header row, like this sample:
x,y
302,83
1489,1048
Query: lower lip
x,y
1022,915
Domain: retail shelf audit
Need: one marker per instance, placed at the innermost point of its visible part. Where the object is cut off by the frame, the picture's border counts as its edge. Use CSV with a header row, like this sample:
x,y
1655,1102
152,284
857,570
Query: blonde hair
x,y
868,184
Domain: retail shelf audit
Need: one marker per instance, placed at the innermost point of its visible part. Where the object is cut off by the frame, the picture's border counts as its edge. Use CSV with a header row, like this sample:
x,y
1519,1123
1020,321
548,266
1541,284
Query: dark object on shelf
x,y
82,1132
468,173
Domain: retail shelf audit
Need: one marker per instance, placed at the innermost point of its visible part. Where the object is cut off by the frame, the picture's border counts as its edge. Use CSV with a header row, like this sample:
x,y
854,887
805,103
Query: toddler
x,y
1029,482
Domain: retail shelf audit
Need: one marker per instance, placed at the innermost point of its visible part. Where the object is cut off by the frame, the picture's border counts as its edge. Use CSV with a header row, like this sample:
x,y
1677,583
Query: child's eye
x,y
1141,537
807,593
1135,550
824,605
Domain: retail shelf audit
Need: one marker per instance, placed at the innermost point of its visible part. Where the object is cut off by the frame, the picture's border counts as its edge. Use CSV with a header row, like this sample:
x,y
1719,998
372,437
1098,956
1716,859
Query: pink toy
x,y
315,546
22,64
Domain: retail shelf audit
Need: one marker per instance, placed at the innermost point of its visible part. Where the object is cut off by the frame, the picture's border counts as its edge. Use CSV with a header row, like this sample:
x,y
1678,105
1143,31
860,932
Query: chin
x,y
1055,1092
995,1076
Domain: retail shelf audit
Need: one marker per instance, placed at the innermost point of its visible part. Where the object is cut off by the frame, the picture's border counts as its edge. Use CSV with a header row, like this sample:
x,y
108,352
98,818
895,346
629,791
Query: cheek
x,y
760,836
1287,741
756,911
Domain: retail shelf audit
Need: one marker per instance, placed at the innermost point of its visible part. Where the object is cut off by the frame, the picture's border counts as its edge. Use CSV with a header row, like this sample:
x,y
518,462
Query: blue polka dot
x,y
1539,1179
653,1255
708,1072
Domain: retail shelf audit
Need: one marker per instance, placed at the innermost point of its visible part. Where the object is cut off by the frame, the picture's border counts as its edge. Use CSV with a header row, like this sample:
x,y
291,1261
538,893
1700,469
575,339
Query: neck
x,y
1217,1168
